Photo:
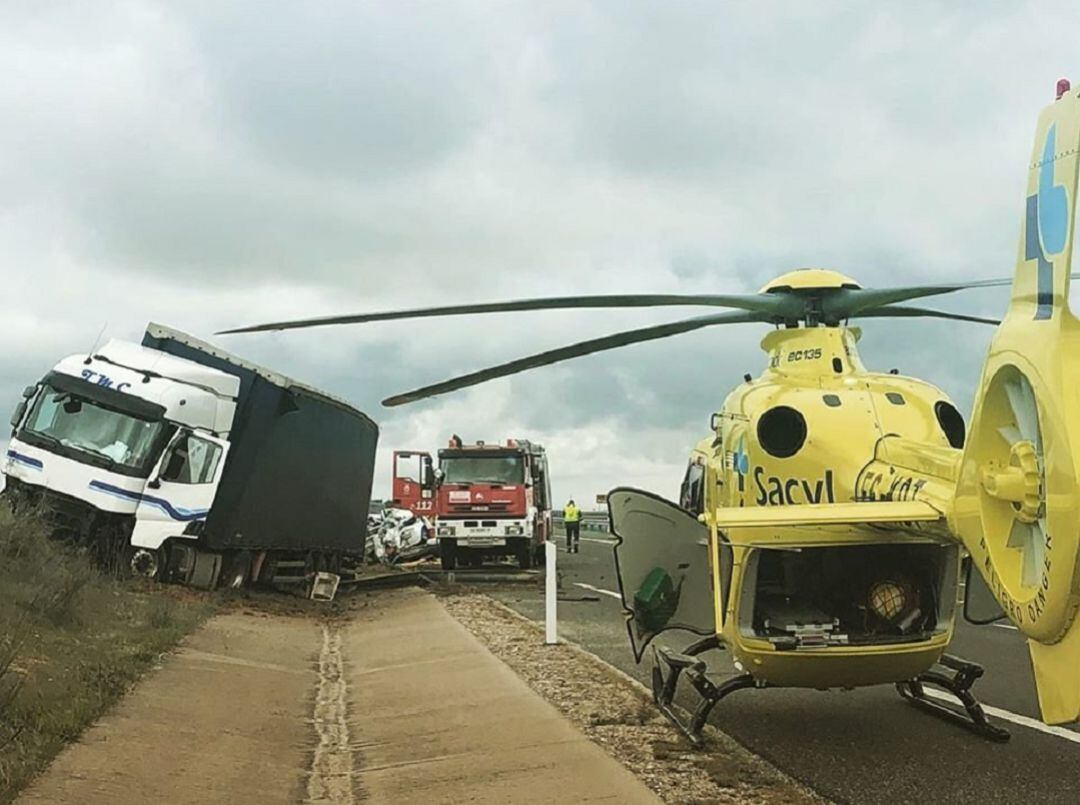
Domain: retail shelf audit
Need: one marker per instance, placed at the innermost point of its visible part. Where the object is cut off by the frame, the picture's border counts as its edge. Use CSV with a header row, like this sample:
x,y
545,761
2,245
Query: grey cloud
x,y
354,92
208,166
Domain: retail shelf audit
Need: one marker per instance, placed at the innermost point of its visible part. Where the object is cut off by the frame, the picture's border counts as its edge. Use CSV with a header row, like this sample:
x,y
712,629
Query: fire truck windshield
x,y
482,469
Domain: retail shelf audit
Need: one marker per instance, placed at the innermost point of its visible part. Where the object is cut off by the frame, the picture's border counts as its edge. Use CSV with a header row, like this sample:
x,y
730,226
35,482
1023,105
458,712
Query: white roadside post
x,y
551,636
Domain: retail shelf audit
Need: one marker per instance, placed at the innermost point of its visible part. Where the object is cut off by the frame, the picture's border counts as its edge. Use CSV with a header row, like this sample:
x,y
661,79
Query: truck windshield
x,y
477,469
120,440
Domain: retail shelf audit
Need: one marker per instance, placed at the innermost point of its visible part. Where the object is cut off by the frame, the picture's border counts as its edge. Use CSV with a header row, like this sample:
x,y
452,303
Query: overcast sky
x,y
208,165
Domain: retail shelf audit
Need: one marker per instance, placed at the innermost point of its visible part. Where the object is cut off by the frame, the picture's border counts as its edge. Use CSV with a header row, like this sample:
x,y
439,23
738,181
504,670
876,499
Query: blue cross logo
x,y
740,459
1047,226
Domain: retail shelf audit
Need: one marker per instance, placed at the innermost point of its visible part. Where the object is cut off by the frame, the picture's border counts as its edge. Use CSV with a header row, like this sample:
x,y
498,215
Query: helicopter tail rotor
x,y
1017,507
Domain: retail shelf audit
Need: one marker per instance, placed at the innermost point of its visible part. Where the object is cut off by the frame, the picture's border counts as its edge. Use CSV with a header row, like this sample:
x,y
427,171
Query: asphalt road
x,y
862,746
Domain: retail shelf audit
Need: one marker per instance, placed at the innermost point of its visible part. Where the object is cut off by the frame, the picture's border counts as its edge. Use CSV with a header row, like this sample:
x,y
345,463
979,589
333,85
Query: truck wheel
x,y
143,563
524,555
205,570
448,554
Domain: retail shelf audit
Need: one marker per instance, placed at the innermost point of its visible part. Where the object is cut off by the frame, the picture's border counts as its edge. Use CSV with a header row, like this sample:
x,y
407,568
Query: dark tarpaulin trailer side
x,y
300,466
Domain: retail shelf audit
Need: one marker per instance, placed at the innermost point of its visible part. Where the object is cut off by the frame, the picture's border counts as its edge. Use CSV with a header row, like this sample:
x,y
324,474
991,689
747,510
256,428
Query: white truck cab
x,y
125,433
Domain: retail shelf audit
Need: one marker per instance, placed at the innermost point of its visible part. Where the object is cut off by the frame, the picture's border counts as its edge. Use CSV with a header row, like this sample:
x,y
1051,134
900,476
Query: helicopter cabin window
x,y
781,431
895,398
837,365
727,563
831,400
951,422
849,595
692,494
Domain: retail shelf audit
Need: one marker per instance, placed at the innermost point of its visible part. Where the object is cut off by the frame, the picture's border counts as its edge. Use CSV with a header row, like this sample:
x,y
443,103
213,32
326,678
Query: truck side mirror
x,y
29,392
20,411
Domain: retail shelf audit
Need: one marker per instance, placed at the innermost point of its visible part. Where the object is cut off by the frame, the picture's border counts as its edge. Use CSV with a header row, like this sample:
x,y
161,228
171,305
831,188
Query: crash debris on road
x,y
616,713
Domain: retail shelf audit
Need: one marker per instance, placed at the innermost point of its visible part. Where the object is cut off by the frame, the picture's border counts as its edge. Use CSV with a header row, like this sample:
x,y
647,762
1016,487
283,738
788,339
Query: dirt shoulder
x,y
616,713
72,642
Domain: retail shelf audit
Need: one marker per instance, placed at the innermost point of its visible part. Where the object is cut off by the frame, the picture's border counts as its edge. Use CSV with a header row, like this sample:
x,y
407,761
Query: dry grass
x,y
72,641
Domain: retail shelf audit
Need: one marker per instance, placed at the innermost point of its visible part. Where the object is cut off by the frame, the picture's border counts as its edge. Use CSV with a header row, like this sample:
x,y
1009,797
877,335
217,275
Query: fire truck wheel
x,y
448,554
524,554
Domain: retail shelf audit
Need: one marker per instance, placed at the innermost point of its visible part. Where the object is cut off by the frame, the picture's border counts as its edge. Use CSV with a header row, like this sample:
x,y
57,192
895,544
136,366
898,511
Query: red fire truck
x,y
487,499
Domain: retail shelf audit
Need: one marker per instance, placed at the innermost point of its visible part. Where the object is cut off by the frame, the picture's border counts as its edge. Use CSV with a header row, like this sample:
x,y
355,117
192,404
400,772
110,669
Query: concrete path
x,y
227,719
396,704
438,719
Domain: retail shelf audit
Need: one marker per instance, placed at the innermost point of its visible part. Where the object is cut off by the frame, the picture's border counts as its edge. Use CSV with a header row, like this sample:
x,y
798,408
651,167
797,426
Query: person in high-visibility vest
x,y
572,520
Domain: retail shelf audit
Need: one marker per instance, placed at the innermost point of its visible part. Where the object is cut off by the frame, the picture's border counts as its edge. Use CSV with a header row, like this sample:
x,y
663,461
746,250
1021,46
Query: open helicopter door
x,y
1018,500
661,559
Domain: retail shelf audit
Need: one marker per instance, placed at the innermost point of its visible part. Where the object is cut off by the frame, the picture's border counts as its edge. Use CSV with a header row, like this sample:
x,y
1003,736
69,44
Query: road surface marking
x,y
601,541
1005,715
1006,626
597,590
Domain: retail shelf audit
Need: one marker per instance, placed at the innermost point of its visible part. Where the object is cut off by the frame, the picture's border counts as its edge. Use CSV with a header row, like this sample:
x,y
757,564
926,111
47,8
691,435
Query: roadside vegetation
x,y
72,641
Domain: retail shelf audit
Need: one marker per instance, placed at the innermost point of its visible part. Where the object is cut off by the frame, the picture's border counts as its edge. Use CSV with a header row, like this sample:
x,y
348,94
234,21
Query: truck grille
x,y
469,508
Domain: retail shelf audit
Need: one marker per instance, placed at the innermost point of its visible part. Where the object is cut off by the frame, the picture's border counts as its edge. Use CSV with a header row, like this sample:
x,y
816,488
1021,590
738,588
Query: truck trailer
x,y
193,465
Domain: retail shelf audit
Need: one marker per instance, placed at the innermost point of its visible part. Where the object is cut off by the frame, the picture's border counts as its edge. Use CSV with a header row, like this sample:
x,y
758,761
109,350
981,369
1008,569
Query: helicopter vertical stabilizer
x,y
1017,506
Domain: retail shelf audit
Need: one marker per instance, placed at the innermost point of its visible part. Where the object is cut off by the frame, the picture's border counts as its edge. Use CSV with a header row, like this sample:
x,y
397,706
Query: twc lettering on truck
x,y
99,379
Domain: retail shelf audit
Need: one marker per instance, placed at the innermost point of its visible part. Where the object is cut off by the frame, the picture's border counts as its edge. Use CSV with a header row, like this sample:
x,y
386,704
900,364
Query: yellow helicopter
x,y
820,529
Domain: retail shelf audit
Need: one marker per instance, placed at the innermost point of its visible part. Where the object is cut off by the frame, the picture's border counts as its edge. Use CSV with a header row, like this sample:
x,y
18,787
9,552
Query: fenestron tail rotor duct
x,y
1013,499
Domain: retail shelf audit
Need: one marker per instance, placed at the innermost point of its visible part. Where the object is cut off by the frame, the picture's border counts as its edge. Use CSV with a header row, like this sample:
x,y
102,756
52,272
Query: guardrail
x,y
590,521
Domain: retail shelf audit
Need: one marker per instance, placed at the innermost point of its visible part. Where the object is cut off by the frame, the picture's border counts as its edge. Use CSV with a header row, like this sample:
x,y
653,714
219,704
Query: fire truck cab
x,y
489,499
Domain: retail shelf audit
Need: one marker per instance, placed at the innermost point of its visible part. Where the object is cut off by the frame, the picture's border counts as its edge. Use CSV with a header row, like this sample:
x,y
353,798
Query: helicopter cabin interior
x,y
798,598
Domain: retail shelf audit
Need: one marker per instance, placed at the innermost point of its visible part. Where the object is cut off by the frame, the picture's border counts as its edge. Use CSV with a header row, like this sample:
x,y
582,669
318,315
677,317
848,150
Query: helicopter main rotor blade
x,y
776,305
851,302
551,356
904,311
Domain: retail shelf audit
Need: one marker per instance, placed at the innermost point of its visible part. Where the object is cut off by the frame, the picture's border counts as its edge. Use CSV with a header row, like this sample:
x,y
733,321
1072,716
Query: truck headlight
x,y
514,530
445,531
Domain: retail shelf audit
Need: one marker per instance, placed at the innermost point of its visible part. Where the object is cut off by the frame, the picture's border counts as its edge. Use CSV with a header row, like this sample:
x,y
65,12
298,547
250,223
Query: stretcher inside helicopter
x,y
848,596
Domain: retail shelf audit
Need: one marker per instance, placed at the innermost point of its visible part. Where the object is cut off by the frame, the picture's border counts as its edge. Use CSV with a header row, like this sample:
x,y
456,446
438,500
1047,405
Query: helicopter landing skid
x,y
958,683
687,662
